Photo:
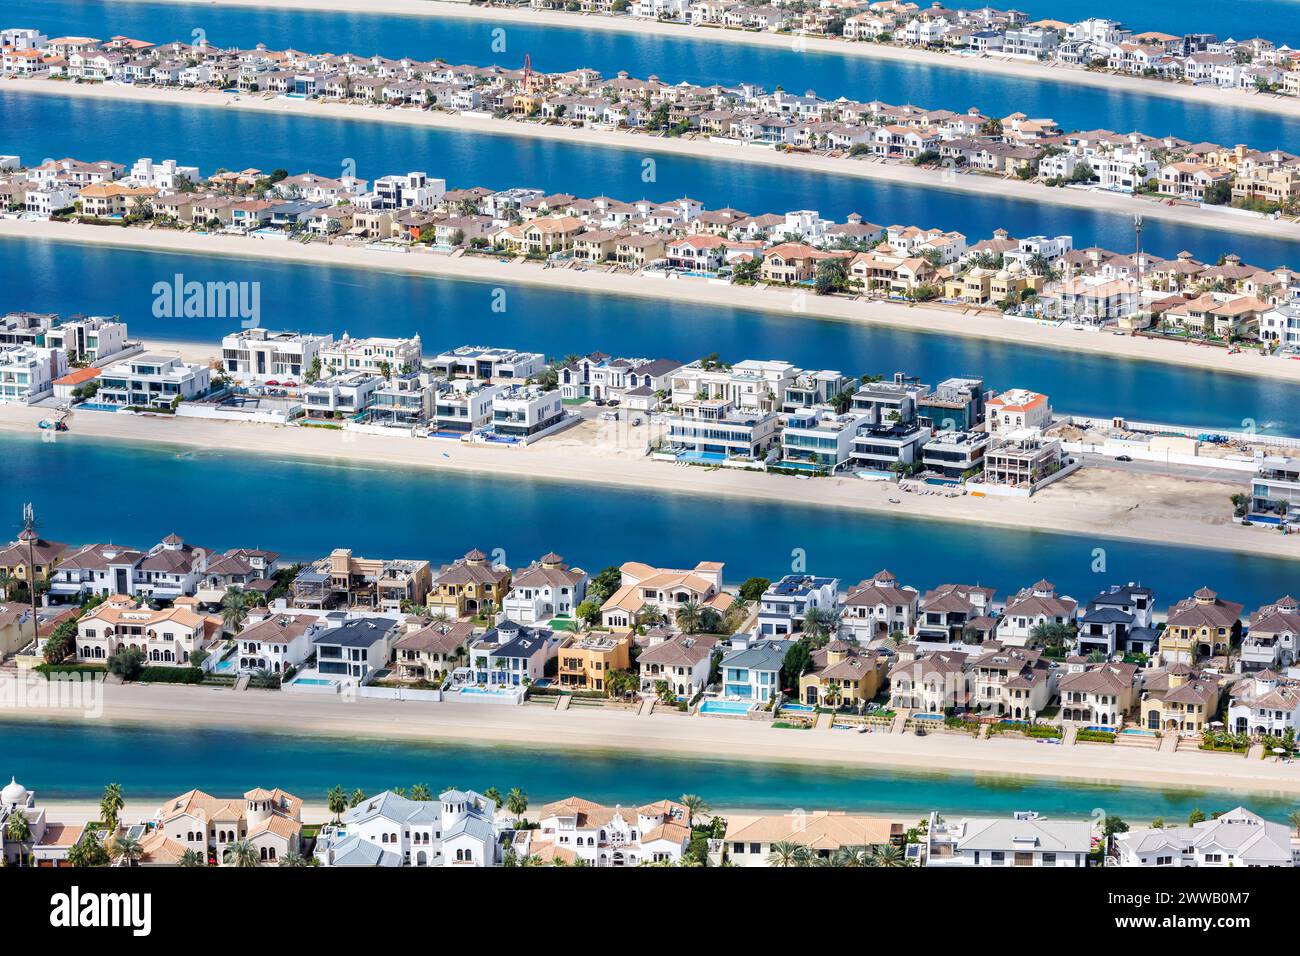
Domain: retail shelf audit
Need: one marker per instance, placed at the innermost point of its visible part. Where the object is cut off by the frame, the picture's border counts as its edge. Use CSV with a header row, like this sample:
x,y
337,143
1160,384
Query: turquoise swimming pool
x,y
317,681
733,708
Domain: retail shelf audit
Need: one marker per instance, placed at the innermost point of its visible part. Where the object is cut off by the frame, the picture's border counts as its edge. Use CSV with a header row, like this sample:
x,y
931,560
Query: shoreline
x,y
762,299
1138,86
593,731
1088,505
900,174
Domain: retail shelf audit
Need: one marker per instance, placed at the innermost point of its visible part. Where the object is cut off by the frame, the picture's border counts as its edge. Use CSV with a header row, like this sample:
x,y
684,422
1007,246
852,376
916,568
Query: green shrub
x,y
48,669
171,675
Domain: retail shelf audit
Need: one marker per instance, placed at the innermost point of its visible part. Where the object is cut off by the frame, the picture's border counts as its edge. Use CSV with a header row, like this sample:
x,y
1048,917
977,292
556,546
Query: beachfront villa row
x,y
1002,842
748,112
585,660
352,651
389,829
1092,287
784,605
152,381
662,595
342,579
1232,839
166,637
369,356
89,338
878,607
545,589
259,356
575,829
198,823
171,569
47,843
752,674
514,655
682,662
28,374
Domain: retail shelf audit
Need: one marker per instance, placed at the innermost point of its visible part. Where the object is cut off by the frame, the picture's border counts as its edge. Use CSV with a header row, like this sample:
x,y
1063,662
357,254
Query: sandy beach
x,y
1096,503
972,323
610,730
902,174
1210,96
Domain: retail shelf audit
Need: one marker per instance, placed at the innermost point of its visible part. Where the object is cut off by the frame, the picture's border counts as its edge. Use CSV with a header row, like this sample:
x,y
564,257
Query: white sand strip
x,y
708,738
1095,503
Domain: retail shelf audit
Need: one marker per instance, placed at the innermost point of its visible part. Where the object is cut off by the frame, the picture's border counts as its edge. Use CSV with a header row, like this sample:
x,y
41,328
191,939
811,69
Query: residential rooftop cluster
x,y
1038,278
414,827
1016,145
881,654
1201,59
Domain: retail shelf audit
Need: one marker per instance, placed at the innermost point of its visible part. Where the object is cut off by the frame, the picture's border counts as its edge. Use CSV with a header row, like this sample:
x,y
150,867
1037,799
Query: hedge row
x,y
171,675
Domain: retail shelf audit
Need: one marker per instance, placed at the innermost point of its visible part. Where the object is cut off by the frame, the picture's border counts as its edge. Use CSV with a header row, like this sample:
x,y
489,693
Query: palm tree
x,y
786,853
336,801
192,858
293,858
241,853
820,622
516,801
1295,820
493,794
695,806
234,608
110,805
126,848
421,792
358,795
888,855
688,616
18,830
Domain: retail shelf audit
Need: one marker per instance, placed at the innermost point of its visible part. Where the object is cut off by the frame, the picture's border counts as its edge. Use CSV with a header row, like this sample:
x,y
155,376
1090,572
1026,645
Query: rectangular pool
x,y
734,708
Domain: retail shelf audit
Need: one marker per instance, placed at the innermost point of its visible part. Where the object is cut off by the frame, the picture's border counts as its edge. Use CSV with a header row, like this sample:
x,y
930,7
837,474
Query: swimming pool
x,y
734,708
703,456
798,708
224,666
928,716
316,681
1103,730
487,691
1136,732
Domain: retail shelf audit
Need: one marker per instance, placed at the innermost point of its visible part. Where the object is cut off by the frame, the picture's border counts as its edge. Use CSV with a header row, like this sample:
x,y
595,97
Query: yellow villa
x,y
585,660
1202,625
1179,700
467,585
843,675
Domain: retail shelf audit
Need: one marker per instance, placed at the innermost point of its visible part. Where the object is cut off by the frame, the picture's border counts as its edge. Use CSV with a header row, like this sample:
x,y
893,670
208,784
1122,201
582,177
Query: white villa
x,y
545,589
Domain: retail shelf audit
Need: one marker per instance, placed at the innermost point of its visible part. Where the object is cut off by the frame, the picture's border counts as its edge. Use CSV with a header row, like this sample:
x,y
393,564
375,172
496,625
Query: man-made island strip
x,y
1104,201
1023,69
1097,502
490,269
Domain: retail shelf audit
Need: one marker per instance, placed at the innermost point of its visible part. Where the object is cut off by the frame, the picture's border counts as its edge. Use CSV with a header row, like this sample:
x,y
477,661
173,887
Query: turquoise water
x,y
75,761
695,58
304,509
448,313
48,125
